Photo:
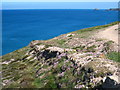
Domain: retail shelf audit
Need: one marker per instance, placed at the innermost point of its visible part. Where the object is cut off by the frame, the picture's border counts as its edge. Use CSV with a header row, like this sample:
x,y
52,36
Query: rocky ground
x,y
110,33
75,60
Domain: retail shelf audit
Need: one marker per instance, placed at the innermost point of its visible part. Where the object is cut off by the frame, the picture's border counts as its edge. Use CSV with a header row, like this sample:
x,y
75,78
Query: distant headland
x,y
114,9
110,9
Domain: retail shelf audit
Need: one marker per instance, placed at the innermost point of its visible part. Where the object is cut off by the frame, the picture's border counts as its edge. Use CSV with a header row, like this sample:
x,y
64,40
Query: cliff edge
x,y
87,58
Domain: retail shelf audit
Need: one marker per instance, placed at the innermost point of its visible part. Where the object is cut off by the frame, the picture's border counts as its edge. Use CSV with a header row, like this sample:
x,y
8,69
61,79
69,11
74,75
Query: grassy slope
x,y
82,33
24,71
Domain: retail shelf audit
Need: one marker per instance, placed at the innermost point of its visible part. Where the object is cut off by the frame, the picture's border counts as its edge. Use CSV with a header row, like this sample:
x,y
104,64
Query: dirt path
x,y
109,33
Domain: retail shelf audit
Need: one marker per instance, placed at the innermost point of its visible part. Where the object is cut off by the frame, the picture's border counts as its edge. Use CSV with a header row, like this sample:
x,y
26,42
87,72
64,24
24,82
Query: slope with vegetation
x,y
74,60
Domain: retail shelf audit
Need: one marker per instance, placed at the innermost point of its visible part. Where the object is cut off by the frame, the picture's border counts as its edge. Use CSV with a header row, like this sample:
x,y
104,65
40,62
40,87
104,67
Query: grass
x,y
107,45
19,70
96,27
51,83
79,47
38,83
17,54
99,40
55,42
91,48
61,41
114,56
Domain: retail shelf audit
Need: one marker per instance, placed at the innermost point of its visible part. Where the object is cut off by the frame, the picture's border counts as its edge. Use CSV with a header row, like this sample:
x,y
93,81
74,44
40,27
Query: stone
x,y
109,84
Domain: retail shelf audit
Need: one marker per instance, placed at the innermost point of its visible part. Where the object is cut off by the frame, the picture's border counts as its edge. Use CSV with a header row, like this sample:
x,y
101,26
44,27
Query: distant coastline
x,y
114,9
111,9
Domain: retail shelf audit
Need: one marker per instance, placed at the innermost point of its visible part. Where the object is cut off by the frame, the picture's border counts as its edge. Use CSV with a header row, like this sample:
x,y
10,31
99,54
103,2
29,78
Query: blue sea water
x,y
20,27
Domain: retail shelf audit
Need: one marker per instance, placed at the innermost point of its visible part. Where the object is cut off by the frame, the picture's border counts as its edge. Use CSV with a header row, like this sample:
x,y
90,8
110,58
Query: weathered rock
x,y
109,84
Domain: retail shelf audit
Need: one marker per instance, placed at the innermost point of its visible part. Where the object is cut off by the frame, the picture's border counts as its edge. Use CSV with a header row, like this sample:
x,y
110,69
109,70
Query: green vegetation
x,y
95,28
61,42
17,54
114,56
46,46
91,48
70,35
39,44
20,71
107,45
99,40
79,47
51,83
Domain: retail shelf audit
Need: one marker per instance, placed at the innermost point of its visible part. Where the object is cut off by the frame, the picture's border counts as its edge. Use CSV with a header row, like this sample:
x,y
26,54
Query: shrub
x,y
79,47
91,48
114,56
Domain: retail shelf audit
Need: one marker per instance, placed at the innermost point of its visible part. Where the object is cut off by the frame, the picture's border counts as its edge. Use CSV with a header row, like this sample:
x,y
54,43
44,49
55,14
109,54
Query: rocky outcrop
x,y
109,84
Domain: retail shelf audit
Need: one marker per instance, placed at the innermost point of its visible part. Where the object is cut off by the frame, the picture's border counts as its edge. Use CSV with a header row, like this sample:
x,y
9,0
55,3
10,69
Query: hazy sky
x,y
59,5
60,0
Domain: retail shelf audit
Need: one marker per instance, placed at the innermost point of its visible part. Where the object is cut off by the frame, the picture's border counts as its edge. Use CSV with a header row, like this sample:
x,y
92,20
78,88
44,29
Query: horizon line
x,y
53,9
58,2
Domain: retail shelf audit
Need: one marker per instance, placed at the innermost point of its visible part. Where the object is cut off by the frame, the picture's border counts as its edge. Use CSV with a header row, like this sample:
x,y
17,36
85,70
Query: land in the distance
x,y
87,58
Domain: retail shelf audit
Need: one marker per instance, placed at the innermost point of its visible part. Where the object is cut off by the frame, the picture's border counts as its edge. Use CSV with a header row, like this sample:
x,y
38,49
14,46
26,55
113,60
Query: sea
x,y
20,27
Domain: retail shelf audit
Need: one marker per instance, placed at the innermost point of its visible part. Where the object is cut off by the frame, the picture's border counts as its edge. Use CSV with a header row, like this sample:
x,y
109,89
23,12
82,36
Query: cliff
x,y
79,59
